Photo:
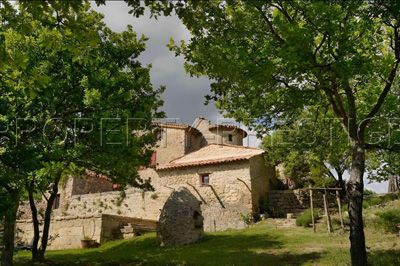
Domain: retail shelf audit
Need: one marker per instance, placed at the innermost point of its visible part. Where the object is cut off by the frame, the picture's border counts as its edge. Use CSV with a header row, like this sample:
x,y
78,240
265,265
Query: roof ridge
x,y
201,156
234,146
206,161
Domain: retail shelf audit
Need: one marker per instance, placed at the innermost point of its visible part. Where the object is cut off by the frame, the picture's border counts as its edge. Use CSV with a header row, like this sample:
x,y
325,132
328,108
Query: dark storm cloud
x,y
184,96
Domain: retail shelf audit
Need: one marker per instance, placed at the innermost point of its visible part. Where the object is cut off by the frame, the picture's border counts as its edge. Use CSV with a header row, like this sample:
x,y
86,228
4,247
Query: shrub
x,y
305,219
372,200
247,218
389,220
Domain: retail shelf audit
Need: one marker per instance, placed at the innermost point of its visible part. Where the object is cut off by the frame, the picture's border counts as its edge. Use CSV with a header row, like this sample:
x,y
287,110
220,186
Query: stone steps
x,y
283,223
130,230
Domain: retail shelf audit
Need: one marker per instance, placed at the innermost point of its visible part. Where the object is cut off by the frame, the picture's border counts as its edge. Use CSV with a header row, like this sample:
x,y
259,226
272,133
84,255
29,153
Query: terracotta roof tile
x,y
212,154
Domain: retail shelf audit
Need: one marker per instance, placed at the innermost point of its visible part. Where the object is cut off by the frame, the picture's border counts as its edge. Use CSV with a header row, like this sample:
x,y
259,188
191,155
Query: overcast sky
x,y
184,96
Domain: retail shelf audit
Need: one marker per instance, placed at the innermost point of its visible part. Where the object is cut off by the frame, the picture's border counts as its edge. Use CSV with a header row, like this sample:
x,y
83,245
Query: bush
x,y
373,200
247,218
305,218
389,220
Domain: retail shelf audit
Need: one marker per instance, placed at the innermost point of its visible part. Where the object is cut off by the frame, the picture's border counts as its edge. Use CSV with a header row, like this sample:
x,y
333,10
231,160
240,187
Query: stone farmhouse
x,y
229,180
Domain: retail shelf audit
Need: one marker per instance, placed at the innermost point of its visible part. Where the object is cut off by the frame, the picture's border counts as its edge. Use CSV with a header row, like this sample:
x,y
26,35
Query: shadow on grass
x,y
225,249
384,257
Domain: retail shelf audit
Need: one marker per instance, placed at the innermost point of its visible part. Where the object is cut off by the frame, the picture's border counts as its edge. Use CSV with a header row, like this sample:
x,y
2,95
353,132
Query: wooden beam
x,y
328,218
312,209
340,209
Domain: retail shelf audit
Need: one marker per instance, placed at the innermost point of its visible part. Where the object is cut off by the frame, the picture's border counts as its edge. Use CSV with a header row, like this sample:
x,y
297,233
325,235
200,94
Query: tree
x,y
312,150
79,98
9,203
270,60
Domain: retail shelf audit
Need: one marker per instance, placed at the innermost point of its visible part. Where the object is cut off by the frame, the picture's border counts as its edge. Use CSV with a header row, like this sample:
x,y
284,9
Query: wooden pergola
x,y
328,218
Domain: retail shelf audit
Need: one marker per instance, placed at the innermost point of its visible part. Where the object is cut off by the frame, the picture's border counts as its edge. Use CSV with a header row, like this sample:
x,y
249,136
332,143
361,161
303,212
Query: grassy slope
x,y
262,244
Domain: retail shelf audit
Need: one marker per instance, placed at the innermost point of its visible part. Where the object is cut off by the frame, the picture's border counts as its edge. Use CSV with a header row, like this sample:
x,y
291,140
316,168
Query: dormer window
x,y
205,179
230,137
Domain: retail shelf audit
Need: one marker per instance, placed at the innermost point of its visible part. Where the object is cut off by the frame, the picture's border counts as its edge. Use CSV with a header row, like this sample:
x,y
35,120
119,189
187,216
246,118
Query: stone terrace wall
x,y
134,203
65,232
68,231
282,202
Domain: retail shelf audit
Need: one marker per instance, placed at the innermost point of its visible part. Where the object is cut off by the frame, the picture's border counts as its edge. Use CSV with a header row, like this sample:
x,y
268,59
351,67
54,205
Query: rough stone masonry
x,y
181,222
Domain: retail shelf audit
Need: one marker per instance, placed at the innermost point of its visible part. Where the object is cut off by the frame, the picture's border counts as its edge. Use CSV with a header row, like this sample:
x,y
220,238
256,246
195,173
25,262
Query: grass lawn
x,y
262,244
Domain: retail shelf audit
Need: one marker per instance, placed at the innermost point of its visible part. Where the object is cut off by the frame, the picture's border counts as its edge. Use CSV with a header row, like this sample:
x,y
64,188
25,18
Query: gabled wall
x,y
172,144
219,135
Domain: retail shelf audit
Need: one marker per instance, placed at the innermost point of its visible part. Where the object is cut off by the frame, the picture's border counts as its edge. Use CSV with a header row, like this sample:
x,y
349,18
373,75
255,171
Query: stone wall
x,y
67,232
90,184
172,144
235,188
227,196
111,225
181,221
295,201
260,182
217,135
132,203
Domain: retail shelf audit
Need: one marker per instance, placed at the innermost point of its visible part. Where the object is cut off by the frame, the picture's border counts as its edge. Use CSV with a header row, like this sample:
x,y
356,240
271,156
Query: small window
x,y
204,179
56,203
230,137
153,159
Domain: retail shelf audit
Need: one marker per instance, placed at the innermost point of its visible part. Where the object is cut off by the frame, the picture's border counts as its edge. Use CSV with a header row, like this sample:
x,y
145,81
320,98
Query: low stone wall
x,y
295,201
133,203
217,218
67,232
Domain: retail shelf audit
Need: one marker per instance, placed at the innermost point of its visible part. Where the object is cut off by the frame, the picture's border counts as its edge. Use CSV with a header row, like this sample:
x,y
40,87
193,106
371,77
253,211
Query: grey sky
x,y
184,96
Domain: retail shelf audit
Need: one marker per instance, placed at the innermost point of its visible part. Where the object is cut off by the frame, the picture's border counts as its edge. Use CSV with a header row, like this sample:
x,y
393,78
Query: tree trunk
x,y
393,184
355,190
47,217
342,185
10,218
35,222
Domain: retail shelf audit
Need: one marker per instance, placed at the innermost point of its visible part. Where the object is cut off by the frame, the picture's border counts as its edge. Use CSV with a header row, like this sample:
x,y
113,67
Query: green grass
x,y
262,244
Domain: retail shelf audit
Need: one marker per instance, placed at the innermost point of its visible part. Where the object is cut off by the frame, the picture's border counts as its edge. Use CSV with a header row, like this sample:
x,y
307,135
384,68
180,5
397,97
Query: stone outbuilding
x,y
180,222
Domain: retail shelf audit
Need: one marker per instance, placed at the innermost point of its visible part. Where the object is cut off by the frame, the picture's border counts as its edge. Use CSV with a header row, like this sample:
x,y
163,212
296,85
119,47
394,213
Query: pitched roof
x,y
212,154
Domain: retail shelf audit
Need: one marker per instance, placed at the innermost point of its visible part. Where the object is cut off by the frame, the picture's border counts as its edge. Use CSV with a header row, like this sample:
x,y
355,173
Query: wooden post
x,y
312,209
340,209
328,218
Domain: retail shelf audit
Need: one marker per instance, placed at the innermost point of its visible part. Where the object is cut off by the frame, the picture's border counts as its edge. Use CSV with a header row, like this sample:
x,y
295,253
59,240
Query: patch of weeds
x,y
305,218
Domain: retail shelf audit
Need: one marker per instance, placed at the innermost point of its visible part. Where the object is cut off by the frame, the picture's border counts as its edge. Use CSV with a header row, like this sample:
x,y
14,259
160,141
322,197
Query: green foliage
x,y
76,95
374,199
305,218
389,220
247,218
369,193
74,79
